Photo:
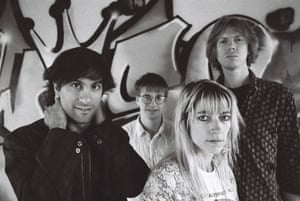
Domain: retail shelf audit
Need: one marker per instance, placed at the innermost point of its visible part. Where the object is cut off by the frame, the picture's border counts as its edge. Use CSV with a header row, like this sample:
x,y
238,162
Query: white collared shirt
x,y
151,150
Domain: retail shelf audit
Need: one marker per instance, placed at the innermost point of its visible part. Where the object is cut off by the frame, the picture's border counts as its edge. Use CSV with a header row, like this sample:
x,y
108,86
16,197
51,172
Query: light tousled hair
x,y
243,26
212,97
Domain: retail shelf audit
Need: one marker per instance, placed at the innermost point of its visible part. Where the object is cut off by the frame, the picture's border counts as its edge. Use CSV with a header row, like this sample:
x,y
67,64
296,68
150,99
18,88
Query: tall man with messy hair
x,y
268,166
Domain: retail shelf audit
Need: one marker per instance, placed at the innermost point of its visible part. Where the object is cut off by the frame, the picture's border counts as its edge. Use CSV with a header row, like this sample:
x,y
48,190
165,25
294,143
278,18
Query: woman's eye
x,y
225,117
202,117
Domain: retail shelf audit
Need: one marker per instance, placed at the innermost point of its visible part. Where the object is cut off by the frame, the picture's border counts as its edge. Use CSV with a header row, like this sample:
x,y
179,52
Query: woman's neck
x,y
205,162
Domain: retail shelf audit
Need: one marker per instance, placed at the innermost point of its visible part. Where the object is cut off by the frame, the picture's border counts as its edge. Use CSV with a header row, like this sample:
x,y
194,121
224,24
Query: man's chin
x,y
82,120
154,116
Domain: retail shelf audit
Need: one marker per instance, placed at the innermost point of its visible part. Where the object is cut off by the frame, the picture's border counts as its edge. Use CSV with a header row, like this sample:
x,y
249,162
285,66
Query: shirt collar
x,y
252,81
140,130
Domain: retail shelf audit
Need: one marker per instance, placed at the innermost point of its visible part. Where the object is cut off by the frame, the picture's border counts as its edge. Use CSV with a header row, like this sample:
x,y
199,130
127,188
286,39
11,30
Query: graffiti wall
x,y
167,37
162,36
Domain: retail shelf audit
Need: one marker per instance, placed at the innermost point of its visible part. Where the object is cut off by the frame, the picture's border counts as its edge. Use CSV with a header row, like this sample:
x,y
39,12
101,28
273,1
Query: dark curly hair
x,y
72,64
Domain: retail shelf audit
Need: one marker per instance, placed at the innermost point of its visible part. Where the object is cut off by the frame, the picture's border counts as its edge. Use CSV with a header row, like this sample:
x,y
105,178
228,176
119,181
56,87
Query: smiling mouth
x,y
83,109
152,110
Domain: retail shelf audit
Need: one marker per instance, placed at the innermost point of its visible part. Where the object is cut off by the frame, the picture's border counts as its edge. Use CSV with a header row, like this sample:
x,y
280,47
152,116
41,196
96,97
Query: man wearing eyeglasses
x,y
150,134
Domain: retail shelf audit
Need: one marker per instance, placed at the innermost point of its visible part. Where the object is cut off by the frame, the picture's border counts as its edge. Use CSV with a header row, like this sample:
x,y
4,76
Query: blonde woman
x,y
207,122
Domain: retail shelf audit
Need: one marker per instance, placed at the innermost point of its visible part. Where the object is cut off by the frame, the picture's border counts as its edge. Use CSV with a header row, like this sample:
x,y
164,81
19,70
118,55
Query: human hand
x,y
55,116
100,114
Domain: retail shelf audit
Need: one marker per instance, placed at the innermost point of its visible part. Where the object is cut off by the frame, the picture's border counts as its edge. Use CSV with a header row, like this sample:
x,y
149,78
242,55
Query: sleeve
x,y
58,158
164,184
34,166
289,149
130,172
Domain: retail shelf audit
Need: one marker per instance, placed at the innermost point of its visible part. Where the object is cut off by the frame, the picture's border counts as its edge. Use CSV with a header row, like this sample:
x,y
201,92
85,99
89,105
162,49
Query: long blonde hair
x,y
213,97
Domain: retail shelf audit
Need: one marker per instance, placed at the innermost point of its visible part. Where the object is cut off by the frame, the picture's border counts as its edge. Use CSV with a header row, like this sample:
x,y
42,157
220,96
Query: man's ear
x,y
56,88
102,90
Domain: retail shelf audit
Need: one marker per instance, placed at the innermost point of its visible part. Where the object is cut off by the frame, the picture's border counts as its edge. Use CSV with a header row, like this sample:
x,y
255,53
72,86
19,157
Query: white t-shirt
x,y
166,183
217,191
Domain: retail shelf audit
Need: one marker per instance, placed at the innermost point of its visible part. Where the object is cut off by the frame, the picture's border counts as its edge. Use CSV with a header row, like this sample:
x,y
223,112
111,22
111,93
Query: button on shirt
x,y
151,150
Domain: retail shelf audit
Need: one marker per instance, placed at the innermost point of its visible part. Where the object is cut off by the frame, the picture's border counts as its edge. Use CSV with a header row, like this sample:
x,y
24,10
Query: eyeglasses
x,y
147,99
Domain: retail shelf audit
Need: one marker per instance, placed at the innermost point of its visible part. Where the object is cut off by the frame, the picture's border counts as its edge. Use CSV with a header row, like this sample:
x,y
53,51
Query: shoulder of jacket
x,y
130,124
33,127
28,134
272,86
116,131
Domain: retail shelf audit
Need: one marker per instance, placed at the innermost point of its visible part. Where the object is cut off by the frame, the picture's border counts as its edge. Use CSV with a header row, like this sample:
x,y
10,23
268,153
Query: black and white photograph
x,y
149,100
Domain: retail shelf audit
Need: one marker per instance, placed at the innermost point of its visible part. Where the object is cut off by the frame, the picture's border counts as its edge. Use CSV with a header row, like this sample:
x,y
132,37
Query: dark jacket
x,y
59,165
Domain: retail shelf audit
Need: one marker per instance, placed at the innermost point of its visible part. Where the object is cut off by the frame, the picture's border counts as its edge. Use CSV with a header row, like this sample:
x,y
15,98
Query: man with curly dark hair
x,y
75,153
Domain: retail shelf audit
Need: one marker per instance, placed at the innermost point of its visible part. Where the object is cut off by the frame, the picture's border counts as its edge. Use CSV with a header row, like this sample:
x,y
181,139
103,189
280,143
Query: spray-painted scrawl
x,y
138,36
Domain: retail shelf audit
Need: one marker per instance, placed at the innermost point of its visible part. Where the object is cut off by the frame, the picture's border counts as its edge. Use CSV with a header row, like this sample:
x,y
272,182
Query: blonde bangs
x,y
211,102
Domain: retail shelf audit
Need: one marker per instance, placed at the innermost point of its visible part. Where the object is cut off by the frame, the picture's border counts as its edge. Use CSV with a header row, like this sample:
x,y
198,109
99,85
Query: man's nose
x,y
153,101
84,97
231,45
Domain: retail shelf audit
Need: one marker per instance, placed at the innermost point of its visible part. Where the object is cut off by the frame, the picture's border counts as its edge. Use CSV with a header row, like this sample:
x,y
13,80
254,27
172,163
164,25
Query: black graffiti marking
x,y
123,88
